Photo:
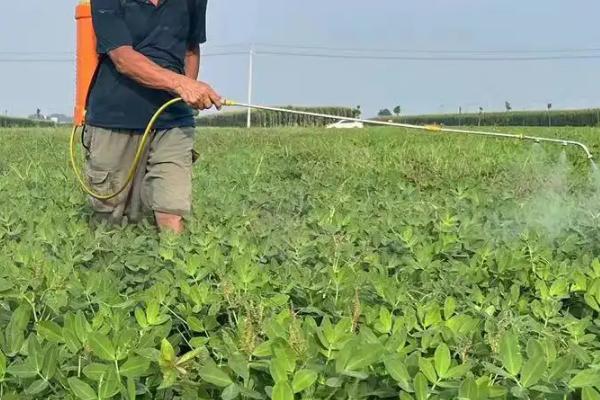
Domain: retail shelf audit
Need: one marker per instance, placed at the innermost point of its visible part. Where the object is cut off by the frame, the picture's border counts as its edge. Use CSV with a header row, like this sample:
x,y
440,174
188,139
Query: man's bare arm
x,y
192,62
141,69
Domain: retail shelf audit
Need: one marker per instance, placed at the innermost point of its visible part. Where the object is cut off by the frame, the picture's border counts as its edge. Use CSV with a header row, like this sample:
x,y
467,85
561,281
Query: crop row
x,y
268,119
11,122
588,117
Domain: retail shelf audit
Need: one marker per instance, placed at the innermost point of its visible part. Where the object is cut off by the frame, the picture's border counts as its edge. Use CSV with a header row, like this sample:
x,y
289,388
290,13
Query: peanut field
x,y
319,264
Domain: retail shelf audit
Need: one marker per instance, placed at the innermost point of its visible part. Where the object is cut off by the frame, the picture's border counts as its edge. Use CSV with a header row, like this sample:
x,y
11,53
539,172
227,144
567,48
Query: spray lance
x,y
87,65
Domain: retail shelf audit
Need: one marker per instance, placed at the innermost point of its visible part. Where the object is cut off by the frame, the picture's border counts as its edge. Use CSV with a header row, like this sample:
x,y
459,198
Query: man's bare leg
x,y
169,222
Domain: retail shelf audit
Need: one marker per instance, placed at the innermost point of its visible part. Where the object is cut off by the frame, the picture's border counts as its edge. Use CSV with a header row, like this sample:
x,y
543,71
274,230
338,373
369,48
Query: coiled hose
x,y
136,161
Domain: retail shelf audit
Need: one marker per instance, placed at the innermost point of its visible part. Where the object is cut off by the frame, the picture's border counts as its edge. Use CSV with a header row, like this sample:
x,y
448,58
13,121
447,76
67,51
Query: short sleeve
x,y
109,24
198,22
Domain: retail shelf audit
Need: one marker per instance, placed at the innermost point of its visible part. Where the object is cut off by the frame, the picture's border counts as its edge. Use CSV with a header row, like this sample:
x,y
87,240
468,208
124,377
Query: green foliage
x,y
318,265
271,119
510,353
587,117
11,122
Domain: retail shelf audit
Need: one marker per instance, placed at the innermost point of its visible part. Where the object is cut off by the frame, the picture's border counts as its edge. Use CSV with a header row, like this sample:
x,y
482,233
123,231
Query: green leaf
x,y
334,382
263,349
15,330
50,364
496,392
496,370
549,349
250,393
81,389
442,360
2,365
231,392
148,353
50,331
449,307
304,379
559,368
535,348
95,371
36,387
196,342
432,316
102,346
282,391
14,340
385,321
153,316
169,378
510,353
343,356
195,324
278,370
426,367
421,389
71,340
111,385
589,393
214,375
190,355
363,357
239,364
5,284
469,390
82,327
167,353
140,317
533,370
134,367
35,352
21,316
588,377
458,371
23,370
131,389
355,374
398,371
286,355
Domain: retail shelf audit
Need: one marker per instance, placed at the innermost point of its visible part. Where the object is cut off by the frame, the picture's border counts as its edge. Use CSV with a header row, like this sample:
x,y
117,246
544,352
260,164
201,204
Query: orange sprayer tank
x,y
87,58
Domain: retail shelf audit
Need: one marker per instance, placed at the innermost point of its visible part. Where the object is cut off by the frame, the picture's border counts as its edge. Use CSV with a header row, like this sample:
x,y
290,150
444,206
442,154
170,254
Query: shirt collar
x,y
160,2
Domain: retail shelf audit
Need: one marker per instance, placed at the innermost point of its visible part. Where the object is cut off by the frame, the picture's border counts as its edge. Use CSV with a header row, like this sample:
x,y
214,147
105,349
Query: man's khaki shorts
x,y
163,182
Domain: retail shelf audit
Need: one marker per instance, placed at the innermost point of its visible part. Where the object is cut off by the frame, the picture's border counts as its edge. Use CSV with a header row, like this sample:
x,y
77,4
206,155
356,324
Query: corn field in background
x,y
269,119
588,117
10,122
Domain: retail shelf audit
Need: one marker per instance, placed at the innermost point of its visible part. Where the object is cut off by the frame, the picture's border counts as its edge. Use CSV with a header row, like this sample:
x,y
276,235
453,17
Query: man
x,y
150,53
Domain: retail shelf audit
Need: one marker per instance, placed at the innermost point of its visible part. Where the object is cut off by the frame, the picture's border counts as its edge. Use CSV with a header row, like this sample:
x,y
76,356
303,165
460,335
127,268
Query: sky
x,y
44,30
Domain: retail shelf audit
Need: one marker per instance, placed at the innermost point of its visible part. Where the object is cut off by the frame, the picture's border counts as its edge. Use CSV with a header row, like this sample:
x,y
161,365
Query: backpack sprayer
x,y
87,64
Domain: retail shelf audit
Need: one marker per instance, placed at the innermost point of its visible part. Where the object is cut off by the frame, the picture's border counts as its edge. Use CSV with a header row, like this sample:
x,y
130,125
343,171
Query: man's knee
x,y
169,222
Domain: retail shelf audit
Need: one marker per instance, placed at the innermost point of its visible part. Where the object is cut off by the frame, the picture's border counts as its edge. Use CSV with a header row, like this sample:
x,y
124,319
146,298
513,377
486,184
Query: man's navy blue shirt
x,y
162,33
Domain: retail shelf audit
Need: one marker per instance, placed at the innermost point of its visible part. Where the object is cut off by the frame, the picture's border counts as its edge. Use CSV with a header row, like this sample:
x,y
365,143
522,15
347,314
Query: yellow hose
x,y
134,166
